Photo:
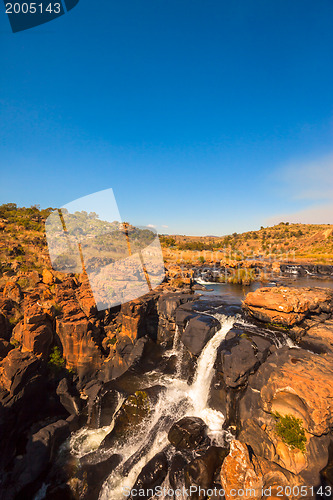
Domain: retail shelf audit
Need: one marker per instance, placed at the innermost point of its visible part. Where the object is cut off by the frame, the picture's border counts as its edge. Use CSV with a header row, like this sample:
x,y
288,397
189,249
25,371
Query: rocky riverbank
x,y
263,375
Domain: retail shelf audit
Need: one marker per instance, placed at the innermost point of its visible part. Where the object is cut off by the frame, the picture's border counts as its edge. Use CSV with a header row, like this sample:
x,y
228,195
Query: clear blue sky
x,y
206,116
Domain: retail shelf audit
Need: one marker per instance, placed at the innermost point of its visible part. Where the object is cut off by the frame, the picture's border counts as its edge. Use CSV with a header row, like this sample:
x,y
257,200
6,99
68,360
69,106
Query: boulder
x,y
287,306
79,348
168,306
86,299
133,411
188,433
199,330
48,277
151,476
16,369
201,471
241,360
37,338
125,356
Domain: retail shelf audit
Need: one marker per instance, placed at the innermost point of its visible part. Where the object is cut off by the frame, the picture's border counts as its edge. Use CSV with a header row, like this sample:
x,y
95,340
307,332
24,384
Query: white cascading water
x,y
179,400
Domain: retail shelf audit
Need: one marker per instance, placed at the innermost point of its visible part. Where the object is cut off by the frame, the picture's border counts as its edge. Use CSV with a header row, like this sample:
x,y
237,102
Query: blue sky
x,y
207,116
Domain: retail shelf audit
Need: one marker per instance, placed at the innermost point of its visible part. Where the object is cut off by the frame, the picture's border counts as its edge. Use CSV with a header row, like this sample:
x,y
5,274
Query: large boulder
x,y
102,404
199,330
16,369
287,306
69,397
200,472
188,433
240,474
247,476
242,356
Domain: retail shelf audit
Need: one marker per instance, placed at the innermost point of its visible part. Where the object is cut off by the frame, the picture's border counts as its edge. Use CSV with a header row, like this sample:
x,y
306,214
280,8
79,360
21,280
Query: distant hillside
x,y
301,242
23,243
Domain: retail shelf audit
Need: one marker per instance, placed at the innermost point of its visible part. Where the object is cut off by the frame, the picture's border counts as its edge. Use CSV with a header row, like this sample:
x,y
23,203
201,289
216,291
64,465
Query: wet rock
x,y
94,470
133,411
287,306
198,332
188,433
151,476
102,405
69,397
176,472
201,471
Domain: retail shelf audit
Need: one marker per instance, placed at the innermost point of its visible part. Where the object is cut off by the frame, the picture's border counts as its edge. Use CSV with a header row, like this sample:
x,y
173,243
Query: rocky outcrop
x,y
287,306
12,291
247,476
295,383
139,318
76,333
41,450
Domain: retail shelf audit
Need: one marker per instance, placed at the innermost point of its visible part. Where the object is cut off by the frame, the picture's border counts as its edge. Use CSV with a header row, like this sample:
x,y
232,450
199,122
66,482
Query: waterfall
x,y
179,400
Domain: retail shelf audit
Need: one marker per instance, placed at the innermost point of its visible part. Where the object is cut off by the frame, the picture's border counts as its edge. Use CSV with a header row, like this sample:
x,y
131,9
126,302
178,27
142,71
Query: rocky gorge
x,y
170,390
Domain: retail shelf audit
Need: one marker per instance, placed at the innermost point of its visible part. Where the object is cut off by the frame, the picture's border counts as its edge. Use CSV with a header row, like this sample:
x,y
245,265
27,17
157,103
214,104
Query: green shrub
x,y
56,360
290,429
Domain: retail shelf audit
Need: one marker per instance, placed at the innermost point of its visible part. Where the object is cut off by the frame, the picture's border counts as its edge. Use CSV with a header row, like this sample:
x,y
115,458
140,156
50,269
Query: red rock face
x,y
74,329
287,306
12,291
239,474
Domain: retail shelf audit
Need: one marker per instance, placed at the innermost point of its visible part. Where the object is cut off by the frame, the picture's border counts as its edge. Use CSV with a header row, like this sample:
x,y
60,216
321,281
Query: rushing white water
x,y
179,400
